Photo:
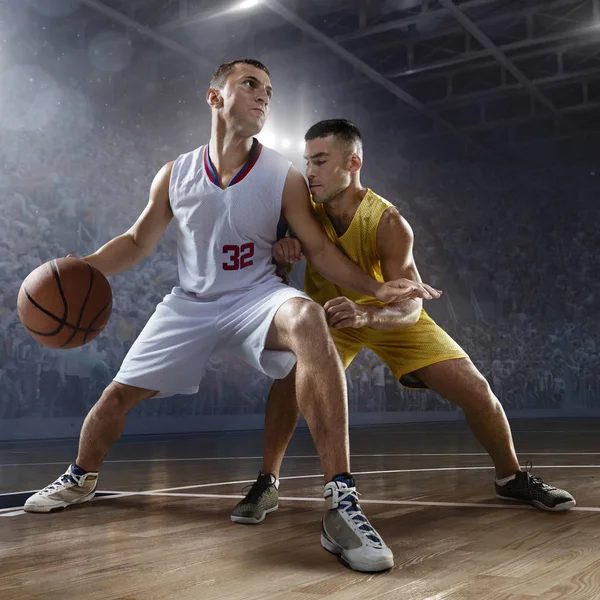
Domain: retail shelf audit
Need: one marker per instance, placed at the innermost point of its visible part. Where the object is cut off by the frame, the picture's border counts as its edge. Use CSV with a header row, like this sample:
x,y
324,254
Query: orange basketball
x,y
65,303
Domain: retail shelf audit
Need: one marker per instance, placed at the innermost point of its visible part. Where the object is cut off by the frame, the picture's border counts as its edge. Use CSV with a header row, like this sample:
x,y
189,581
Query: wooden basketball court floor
x,y
164,532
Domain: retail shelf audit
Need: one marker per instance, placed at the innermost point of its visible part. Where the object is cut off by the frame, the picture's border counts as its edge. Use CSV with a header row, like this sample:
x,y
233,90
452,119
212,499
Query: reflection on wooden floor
x,y
163,532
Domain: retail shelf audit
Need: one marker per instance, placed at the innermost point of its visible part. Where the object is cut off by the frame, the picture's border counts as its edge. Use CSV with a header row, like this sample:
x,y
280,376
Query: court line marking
x,y
13,493
298,456
386,502
510,506
14,513
121,494
291,477
203,485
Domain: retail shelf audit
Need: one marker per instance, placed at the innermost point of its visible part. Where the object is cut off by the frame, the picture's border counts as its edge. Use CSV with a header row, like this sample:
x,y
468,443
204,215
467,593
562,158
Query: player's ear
x,y
355,163
214,98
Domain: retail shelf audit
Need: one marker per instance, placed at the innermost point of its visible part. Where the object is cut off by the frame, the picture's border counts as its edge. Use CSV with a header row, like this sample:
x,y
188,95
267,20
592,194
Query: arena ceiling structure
x,y
489,73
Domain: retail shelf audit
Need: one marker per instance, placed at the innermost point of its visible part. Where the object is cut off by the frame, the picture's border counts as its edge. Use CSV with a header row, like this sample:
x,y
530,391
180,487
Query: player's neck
x,y
343,207
228,151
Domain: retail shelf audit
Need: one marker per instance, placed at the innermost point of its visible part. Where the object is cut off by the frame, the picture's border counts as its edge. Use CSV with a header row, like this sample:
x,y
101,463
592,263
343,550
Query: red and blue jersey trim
x,y
252,159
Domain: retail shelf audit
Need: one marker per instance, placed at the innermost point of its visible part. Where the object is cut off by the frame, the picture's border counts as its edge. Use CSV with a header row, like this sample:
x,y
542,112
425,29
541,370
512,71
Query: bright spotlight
x,y
247,4
267,139
286,143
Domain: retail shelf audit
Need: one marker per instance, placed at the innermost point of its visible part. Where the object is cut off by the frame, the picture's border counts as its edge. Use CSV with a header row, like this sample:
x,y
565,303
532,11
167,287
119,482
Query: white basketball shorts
x,y
171,352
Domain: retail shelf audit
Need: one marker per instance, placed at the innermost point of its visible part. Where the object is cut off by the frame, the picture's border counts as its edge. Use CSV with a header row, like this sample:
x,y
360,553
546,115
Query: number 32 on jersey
x,y
239,257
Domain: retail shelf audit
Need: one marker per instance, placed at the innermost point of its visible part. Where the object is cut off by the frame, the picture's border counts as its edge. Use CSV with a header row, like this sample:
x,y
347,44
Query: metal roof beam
x,y
358,64
487,43
507,89
592,30
399,23
556,50
160,39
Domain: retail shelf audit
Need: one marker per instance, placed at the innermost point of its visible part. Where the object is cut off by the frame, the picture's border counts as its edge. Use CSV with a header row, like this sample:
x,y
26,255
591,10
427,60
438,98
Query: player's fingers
x,y
332,311
337,317
339,301
399,294
435,293
278,254
417,290
291,252
297,249
342,324
423,293
292,249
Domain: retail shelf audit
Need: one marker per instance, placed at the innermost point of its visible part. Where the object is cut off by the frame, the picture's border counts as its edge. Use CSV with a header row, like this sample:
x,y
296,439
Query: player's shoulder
x,y
376,198
393,225
295,181
163,175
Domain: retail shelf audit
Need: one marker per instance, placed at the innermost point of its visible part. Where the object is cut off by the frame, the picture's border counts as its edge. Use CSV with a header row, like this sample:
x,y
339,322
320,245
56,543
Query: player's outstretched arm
x,y
127,250
395,248
328,260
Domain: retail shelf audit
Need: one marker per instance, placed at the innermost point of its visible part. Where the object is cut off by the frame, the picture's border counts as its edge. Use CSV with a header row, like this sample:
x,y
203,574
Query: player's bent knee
x,y
480,394
482,389
122,398
308,320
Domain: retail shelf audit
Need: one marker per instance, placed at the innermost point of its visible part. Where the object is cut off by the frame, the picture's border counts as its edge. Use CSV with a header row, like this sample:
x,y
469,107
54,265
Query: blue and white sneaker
x,y
68,489
346,531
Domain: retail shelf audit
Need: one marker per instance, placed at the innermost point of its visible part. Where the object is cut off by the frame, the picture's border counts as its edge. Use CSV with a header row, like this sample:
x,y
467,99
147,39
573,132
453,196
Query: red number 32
x,y
239,257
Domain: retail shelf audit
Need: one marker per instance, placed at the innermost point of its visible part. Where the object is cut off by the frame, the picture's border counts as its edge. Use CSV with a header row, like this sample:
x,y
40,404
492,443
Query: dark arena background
x,y
481,123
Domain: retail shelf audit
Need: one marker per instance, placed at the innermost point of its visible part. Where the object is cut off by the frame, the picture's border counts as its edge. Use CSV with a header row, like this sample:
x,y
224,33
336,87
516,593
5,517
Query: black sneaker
x,y
532,490
262,498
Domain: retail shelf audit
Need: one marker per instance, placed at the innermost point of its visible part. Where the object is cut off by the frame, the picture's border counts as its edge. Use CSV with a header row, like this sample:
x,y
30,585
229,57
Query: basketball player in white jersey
x,y
226,199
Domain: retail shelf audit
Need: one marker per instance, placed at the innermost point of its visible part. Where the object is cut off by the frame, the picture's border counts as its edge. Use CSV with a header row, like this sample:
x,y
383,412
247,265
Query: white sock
x,y
506,479
273,480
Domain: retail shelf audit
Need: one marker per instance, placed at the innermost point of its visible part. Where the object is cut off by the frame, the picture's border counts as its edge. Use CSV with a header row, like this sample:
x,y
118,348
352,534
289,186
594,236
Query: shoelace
x,y
534,480
348,502
63,479
256,491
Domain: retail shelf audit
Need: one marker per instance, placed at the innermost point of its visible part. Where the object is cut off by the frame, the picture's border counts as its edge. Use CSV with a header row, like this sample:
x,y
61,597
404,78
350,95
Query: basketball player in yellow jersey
x,y
373,234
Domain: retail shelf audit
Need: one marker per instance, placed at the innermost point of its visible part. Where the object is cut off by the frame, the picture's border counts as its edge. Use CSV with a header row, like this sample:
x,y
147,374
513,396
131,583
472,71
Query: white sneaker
x,y
346,531
68,489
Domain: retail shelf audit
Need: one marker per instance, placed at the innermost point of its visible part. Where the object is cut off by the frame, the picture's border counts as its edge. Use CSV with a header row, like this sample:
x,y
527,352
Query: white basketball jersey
x,y
225,237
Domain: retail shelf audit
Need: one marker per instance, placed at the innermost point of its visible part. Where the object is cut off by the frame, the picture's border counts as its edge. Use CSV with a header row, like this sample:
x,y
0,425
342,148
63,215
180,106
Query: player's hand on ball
x,y
342,312
405,289
287,251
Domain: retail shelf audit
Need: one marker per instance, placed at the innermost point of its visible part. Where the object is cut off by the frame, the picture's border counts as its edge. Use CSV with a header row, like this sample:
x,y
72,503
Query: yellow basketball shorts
x,y
404,350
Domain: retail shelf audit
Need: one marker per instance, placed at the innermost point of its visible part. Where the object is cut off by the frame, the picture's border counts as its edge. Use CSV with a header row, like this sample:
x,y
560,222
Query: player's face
x,y
246,99
327,168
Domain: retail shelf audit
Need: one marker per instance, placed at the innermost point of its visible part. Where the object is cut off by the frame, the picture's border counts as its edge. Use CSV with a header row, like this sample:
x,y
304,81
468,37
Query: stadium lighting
x,y
267,139
246,4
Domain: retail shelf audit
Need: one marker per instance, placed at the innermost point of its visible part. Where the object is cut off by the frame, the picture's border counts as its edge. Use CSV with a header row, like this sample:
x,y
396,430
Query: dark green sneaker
x,y
532,490
262,498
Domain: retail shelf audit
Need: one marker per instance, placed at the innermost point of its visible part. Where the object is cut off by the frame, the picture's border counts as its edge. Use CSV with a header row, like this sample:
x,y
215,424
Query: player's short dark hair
x,y
342,129
222,72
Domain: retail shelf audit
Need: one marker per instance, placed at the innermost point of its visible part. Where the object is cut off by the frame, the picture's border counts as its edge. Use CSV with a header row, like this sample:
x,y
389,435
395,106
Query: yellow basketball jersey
x,y
358,243
404,350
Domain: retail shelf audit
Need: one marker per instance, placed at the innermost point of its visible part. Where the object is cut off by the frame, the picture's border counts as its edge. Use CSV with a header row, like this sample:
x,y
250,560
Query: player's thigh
x,y
260,327
458,380
171,352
